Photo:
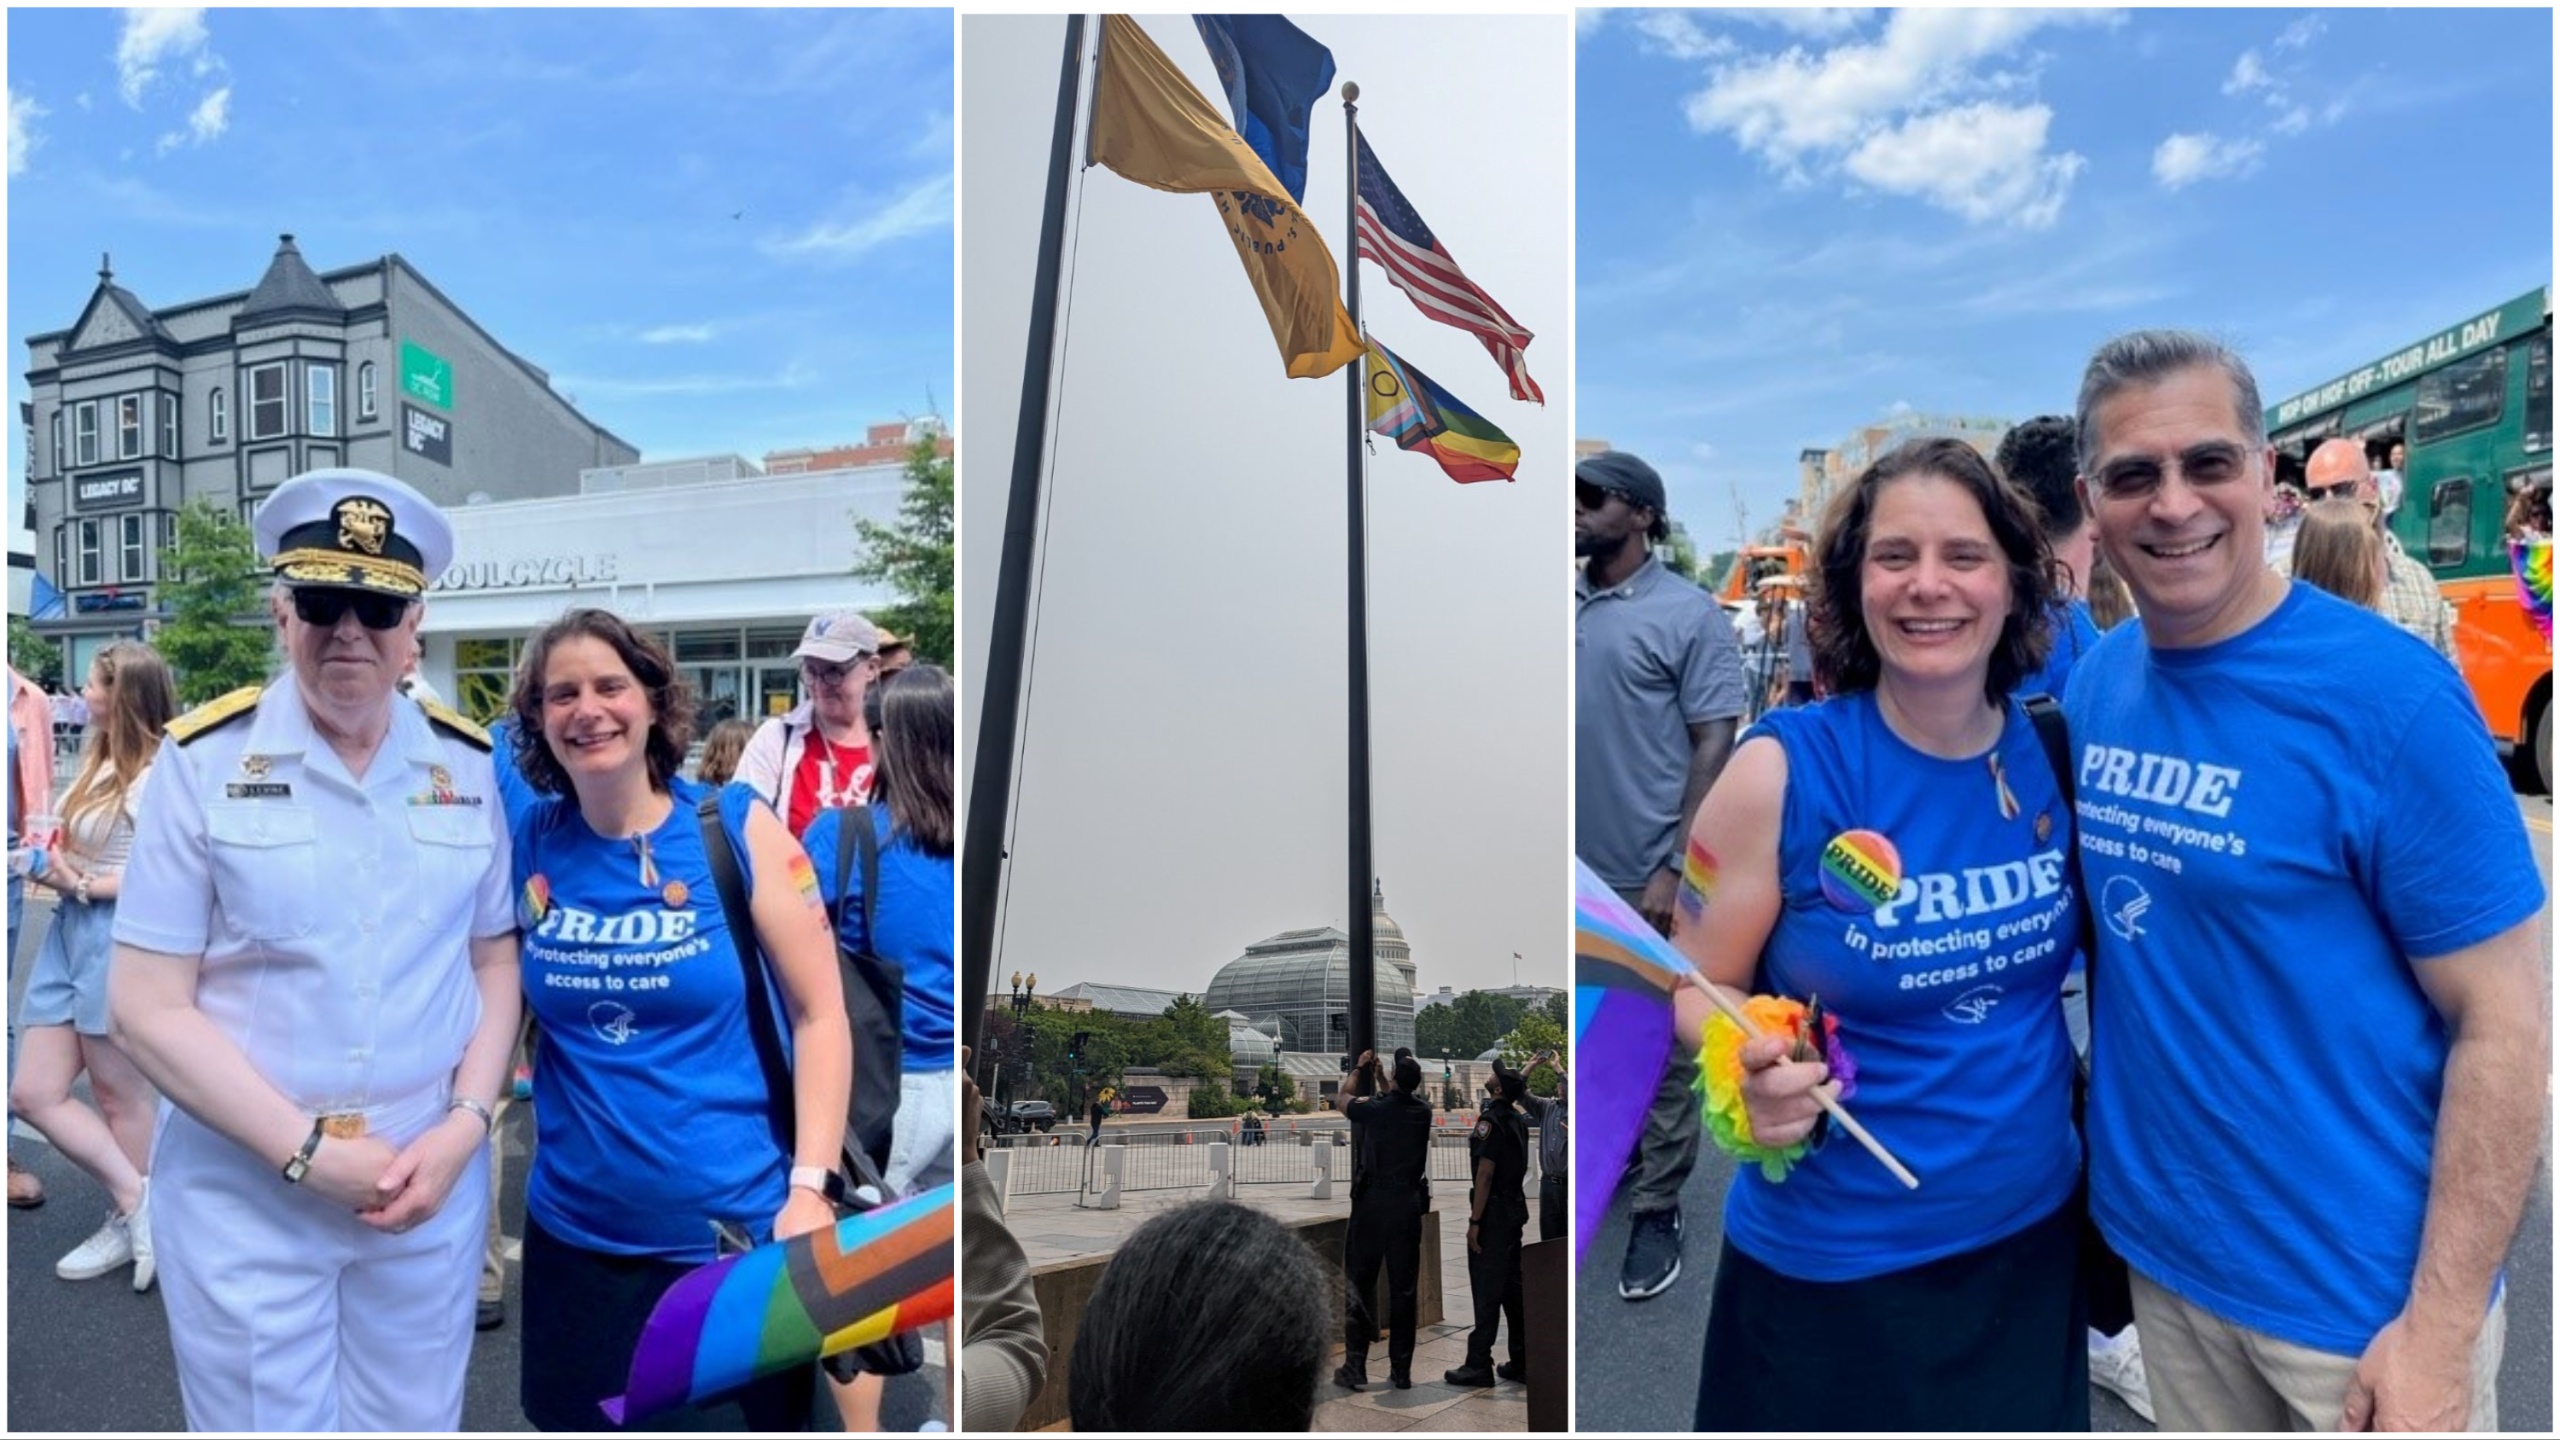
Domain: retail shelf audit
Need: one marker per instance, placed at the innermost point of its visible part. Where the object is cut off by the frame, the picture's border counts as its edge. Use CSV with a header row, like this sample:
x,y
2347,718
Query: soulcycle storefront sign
x,y
530,572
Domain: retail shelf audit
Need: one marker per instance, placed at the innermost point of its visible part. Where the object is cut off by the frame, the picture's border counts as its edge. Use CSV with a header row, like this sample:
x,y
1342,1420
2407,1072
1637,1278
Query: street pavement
x,y
1637,1361
93,1356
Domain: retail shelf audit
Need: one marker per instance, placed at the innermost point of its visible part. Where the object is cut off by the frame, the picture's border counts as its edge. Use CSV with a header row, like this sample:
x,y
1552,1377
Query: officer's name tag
x,y
257,790
444,797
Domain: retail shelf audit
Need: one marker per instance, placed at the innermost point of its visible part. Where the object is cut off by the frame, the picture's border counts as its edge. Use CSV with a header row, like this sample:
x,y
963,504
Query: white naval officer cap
x,y
354,529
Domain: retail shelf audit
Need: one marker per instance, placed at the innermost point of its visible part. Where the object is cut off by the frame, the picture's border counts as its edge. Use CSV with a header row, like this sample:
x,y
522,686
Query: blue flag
x,y
1272,73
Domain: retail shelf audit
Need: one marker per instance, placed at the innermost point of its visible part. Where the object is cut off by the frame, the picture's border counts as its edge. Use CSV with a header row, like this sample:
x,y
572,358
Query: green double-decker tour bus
x,y
2470,406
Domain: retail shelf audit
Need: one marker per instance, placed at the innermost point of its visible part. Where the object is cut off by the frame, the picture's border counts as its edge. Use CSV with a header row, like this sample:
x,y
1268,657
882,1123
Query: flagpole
x,y
999,713
1363,999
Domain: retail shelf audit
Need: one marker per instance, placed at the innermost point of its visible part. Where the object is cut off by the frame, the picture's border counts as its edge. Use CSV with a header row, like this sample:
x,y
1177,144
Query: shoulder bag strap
x,y
732,885
860,820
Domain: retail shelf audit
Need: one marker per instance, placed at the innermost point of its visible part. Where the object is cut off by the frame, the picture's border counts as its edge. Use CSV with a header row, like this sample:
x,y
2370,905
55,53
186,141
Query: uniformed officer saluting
x,y
1387,1201
316,963
1497,1212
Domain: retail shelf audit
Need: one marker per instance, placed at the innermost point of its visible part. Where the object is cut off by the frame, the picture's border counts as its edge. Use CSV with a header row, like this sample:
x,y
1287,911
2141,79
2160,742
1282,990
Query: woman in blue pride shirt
x,y
654,1123
1899,851
911,814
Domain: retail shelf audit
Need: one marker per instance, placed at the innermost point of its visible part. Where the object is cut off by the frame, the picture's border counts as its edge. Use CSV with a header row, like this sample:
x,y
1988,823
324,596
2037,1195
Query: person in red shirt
x,y
818,755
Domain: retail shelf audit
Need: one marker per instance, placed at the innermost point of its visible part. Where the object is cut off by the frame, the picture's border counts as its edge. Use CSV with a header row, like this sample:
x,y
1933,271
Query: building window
x,y
324,399
89,557
483,672
135,563
128,427
84,432
365,400
217,417
169,424
266,402
61,453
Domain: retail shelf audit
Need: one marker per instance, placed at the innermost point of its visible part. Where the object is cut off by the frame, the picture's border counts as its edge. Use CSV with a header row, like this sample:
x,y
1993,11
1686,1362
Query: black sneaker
x,y
1351,1375
1472,1377
1513,1371
491,1315
1653,1256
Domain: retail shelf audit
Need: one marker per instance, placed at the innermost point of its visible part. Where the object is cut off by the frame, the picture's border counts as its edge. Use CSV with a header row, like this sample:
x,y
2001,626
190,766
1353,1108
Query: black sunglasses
x,y
325,607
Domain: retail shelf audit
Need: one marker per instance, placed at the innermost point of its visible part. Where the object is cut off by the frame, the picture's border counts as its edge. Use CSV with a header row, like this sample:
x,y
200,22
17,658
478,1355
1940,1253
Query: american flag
x,y
1390,233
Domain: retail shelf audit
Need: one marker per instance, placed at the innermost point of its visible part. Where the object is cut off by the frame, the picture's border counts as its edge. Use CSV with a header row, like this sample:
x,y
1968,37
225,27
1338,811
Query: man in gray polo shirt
x,y
1658,690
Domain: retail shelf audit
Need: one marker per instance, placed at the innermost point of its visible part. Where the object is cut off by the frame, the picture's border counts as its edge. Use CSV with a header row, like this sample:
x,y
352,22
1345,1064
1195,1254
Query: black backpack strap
x,y
731,882
2055,734
869,840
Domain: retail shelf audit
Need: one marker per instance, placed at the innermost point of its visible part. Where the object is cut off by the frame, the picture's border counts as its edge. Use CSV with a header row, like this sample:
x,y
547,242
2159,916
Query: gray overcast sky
x,y
1182,786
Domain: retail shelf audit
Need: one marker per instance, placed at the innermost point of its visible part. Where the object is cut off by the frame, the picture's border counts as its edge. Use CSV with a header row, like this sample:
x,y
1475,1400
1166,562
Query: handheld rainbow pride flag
x,y
874,1275
1623,974
1406,407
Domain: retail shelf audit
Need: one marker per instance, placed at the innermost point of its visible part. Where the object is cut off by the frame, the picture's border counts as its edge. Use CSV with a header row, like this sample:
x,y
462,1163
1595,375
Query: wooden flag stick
x,y
1822,1096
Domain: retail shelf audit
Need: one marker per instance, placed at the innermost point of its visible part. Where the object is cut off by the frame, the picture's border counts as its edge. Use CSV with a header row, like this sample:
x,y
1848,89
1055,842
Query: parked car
x,y
1033,1115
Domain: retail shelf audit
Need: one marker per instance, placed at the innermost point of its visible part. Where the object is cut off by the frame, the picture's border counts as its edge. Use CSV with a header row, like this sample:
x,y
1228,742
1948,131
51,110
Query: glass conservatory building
x,y
1302,979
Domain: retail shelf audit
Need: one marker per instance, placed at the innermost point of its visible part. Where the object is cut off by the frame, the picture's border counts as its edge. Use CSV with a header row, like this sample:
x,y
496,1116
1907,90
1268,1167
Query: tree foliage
x,y
1467,1026
1538,1030
215,639
35,657
913,556
1185,1040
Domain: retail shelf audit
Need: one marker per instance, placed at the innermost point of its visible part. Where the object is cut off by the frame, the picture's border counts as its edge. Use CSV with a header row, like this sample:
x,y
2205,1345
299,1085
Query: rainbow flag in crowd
x,y
1406,407
1623,974
2533,581
877,1274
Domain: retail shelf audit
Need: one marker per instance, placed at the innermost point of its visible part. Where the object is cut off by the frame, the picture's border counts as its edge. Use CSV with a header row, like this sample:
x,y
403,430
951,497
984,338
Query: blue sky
x,y
1791,224
719,231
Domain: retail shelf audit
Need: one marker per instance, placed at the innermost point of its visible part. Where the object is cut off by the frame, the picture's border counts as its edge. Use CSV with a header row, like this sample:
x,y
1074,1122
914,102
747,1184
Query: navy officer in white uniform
x,y
316,963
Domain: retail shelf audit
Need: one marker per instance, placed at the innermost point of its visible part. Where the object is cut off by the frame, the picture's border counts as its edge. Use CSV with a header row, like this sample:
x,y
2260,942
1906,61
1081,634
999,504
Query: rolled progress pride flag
x,y
1623,974
873,1275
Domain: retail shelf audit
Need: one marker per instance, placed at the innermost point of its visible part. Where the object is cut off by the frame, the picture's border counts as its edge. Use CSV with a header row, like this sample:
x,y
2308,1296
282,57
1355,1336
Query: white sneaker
x,y
138,1226
2116,1365
110,1247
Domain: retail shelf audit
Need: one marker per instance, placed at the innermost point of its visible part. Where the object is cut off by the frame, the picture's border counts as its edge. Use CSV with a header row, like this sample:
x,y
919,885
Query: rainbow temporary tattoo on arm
x,y
1697,881
804,876
1719,1083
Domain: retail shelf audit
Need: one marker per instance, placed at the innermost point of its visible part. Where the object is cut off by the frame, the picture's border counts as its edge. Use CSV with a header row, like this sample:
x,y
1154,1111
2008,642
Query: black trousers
x,y
1385,1230
1493,1273
1551,1206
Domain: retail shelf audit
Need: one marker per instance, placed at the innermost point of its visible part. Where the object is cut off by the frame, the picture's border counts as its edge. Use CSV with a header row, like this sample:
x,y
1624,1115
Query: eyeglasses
x,y
1589,496
325,607
2134,477
827,677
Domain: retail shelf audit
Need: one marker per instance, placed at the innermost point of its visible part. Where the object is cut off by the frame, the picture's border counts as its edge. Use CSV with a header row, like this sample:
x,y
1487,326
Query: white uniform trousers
x,y
289,1313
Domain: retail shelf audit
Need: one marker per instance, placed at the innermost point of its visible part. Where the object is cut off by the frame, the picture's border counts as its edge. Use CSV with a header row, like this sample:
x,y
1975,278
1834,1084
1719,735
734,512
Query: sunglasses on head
x,y
325,607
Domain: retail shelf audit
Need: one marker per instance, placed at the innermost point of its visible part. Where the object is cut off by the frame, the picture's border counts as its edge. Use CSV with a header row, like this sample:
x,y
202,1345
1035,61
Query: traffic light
x,y
1075,1047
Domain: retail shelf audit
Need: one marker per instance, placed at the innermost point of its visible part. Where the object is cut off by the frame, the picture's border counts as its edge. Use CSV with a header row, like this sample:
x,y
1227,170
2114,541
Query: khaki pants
x,y
2209,1374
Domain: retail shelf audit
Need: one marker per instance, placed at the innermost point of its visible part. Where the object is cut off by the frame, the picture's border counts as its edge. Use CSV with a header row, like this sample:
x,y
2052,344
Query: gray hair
x,y
2148,357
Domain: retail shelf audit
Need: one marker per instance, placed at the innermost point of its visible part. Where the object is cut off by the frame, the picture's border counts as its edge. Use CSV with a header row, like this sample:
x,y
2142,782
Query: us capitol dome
x,y
1302,980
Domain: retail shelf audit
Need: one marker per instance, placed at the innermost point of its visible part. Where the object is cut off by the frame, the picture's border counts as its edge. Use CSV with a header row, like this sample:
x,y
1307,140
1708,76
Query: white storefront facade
x,y
726,571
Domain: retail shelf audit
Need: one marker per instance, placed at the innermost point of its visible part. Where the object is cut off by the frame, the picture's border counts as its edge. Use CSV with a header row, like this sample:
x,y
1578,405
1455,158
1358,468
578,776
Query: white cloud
x,y
2302,32
1887,109
152,37
1814,23
2184,159
1985,162
1587,22
2247,75
23,139
935,142
1673,33
678,334
205,124
924,207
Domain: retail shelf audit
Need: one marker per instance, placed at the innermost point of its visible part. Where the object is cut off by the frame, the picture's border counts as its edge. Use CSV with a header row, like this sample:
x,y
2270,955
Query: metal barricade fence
x,y
1177,1159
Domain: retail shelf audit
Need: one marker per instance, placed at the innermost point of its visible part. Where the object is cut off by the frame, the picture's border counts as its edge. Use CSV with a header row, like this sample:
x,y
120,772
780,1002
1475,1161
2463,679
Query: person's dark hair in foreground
x,y
1209,1318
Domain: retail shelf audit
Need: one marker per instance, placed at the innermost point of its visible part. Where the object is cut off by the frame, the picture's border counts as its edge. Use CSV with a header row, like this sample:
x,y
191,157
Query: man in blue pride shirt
x,y
2322,1033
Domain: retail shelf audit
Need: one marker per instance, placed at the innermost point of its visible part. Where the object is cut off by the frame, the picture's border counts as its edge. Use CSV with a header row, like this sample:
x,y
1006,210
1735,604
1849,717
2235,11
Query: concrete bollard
x,y
1000,1170
1114,1166
1321,1188
1222,1178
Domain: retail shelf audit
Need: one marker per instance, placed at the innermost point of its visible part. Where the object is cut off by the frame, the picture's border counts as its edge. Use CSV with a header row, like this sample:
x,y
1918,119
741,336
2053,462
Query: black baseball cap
x,y
1625,476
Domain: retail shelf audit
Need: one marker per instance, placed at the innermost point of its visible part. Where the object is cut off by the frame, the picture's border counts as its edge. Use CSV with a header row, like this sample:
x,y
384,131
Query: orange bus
x,y
2470,409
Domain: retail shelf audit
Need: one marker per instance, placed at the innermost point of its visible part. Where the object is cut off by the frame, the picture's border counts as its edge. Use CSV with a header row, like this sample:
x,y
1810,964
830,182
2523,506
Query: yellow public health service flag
x,y
1150,125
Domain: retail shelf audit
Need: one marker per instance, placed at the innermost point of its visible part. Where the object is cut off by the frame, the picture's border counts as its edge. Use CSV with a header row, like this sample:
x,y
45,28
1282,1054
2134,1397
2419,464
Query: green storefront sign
x,y
425,375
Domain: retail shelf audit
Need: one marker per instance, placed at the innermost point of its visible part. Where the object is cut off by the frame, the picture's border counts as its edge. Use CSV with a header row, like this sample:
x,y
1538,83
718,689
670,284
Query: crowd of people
x,y
325,918
2255,798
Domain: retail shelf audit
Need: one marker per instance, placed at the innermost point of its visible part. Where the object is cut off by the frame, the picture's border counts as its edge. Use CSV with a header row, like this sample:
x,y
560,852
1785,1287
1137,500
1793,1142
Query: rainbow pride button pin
x,y
1860,871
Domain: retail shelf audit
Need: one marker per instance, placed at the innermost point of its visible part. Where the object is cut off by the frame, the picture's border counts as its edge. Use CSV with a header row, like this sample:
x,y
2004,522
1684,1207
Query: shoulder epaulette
x,y
454,723
214,714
